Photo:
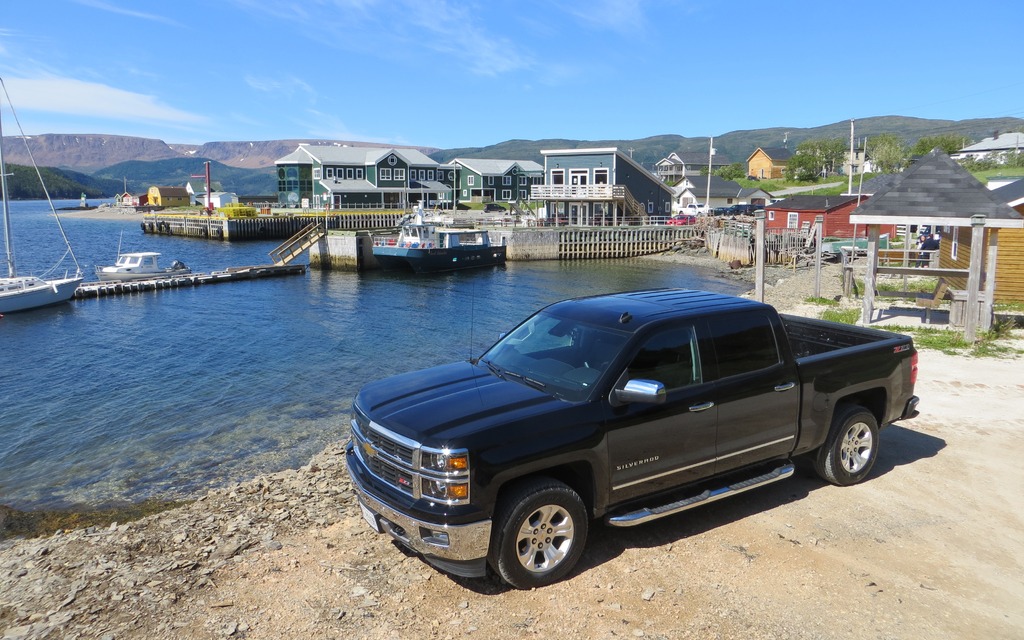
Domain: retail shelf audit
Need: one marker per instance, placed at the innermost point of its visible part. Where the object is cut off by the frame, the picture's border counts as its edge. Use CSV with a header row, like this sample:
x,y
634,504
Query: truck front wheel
x,y
850,450
541,528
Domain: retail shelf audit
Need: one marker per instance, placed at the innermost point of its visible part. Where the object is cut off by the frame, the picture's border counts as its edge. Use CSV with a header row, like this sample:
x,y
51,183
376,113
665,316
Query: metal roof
x,y
936,190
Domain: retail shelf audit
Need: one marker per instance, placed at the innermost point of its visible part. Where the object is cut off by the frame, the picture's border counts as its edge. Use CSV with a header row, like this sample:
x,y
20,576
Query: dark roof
x,y
937,190
720,187
776,153
812,203
876,184
1010,193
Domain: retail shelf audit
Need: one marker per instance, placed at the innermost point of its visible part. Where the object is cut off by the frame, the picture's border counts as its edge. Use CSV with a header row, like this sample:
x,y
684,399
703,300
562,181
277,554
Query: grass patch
x,y
846,316
827,302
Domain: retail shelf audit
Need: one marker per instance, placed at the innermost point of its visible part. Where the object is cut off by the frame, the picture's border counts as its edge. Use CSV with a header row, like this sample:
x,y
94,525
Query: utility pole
x,y
711,154
849,188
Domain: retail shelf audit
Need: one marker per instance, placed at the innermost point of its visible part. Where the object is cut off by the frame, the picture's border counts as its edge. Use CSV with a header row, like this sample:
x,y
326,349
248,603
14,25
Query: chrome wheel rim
x,y
545,538
857,447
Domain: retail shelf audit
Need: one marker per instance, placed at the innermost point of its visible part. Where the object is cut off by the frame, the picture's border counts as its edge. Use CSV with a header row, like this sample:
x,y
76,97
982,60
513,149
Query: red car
x,y
682,220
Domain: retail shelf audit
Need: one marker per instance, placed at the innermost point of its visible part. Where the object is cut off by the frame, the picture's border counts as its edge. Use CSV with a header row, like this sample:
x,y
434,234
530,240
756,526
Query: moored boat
x,y
142,265
21,293
428,248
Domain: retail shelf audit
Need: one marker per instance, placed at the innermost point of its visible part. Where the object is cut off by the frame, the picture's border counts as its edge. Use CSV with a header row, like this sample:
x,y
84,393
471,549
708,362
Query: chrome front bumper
x,y
458,549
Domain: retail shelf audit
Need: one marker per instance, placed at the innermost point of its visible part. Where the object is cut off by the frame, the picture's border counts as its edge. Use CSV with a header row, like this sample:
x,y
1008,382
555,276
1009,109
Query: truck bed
x,y
811,337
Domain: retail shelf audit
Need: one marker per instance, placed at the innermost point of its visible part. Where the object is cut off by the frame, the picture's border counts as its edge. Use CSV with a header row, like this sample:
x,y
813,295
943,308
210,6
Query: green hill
x,y
61,184
173,172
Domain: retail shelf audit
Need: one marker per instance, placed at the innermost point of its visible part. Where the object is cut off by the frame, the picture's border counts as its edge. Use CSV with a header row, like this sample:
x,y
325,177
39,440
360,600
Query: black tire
x,y
539,533
850,450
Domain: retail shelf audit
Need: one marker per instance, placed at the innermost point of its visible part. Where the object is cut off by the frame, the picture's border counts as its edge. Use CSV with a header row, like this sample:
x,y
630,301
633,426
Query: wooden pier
x,y
231,274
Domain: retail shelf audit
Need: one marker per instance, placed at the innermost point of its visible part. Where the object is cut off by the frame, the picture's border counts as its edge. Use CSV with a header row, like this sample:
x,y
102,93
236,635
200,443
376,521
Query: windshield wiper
x,y
536,384
495,369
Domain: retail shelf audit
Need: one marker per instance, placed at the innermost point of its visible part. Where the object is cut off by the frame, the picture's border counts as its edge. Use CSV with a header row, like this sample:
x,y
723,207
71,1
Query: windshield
x,y
564,357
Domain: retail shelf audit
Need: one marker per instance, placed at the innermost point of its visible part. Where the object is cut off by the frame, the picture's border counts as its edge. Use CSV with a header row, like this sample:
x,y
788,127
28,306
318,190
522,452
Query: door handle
x,y
785,387
704,406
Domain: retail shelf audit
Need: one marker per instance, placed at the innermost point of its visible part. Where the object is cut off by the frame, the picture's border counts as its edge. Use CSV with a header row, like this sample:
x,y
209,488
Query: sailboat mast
x,y
11,270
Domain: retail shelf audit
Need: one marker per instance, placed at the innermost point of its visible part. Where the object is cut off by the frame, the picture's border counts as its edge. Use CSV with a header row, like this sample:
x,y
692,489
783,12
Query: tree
x,y
803,167
948,143
829,153
887,152
734,171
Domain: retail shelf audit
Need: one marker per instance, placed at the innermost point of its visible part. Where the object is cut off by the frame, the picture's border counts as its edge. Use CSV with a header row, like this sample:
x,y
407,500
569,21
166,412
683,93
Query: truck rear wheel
x,y
539,533
850,450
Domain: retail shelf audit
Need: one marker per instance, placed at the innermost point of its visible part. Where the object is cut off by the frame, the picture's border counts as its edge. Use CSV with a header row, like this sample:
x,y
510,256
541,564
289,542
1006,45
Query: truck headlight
x,y
446,461
445,491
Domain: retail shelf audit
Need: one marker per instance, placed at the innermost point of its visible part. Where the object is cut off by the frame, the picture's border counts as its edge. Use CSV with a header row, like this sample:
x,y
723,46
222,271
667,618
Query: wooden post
x,y
990,279
974,277
819,222
868,307
759,256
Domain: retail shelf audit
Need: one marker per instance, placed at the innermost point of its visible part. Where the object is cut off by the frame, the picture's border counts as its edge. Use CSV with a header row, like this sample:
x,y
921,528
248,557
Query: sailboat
x,y
21,293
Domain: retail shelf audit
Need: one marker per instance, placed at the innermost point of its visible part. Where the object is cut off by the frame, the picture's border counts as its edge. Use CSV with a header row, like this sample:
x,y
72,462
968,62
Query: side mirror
x,y
645,391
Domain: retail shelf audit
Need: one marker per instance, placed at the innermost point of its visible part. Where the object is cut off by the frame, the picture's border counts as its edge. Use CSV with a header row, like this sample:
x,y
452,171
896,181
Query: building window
x,y
506,195
316,173
385,174
600,176
392,160
650,207
470,180
793,220
359,174
506,180
464,193
522,181
430,174
348,173
490,180
330,172
558,176
771,215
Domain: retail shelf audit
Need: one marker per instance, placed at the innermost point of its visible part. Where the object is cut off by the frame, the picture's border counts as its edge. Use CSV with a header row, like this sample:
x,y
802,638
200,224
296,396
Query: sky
x,y
470,73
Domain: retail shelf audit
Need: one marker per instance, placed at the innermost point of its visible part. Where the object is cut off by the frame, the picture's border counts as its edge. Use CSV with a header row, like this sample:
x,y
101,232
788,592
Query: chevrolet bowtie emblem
x,y
368,450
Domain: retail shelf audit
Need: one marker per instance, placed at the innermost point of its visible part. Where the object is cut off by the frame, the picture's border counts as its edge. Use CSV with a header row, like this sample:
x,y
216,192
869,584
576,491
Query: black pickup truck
x,y
626,407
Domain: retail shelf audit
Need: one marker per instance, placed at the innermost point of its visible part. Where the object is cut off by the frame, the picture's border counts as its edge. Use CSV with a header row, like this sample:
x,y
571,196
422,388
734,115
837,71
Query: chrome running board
x,y
647,514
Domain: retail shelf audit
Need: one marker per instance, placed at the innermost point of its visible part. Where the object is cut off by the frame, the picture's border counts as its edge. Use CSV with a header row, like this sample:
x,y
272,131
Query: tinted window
x,y
744,343
669,357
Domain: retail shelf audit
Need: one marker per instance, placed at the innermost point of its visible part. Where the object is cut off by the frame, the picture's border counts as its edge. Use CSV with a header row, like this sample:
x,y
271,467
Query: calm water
x,y
163,394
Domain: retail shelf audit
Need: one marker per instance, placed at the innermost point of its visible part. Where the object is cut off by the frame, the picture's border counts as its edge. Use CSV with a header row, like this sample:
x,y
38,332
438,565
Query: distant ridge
x,y
246,166
89,153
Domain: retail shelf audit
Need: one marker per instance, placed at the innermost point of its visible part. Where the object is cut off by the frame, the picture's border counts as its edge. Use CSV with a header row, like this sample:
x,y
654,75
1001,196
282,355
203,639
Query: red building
x,y
799,212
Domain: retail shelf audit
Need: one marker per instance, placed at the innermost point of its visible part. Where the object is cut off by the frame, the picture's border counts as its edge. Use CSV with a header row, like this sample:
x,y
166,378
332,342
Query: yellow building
x,y
168,197
768,163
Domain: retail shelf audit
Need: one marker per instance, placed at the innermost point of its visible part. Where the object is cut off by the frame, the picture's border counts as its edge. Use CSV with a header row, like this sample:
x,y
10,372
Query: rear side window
x,y
744,343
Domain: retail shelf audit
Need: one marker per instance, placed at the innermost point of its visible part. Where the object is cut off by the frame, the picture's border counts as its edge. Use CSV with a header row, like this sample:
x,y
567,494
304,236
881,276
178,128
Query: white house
x,y
1007,142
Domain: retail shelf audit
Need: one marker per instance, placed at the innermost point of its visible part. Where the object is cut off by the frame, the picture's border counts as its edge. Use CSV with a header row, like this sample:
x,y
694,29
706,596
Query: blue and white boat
x,y
430,248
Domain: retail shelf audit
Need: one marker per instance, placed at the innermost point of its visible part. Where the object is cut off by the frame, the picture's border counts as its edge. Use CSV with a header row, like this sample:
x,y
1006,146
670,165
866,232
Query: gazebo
x,y
939,192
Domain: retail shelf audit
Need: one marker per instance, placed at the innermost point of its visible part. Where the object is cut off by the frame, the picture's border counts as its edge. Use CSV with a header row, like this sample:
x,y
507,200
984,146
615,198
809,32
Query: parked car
x,y
695,209
493,207
682,219
624,407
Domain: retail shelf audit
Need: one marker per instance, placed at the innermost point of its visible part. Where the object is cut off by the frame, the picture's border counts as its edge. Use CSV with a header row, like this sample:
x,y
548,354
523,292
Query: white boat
x,y
21,293
142,265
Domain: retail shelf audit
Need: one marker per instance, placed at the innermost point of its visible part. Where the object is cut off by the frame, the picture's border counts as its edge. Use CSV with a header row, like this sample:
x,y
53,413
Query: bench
x,y
922,298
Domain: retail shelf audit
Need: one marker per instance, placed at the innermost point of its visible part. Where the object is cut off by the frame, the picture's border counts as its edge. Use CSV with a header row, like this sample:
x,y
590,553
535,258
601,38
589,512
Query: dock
x,y
231,274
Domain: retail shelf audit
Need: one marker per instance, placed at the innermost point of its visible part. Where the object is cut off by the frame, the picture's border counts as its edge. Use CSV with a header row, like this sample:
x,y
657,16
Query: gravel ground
x,y
929,547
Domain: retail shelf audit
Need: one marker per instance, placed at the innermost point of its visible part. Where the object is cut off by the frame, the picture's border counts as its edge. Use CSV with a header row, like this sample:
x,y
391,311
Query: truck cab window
x,y
744,343
669,357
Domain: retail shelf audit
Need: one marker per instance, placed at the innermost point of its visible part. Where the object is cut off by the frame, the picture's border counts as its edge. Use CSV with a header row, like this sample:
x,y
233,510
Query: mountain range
x,y
111,163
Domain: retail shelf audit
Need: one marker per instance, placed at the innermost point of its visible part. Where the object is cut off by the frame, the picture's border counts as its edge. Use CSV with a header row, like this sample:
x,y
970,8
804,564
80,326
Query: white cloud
x,y
106,6
77,98
289,86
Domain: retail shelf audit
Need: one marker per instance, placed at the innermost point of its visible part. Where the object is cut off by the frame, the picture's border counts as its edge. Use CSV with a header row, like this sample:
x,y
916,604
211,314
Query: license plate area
x,y
370,517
